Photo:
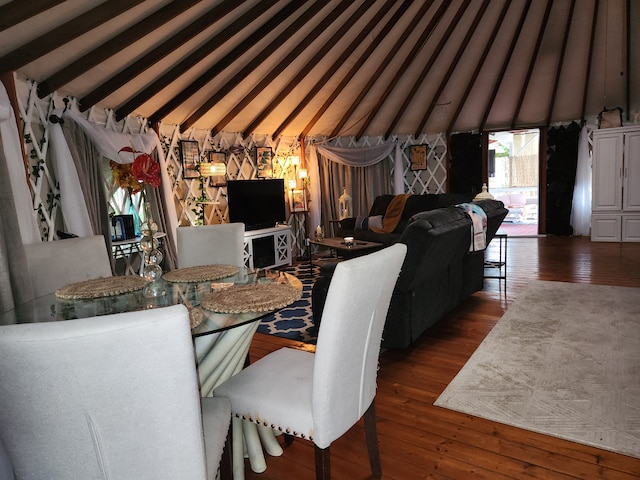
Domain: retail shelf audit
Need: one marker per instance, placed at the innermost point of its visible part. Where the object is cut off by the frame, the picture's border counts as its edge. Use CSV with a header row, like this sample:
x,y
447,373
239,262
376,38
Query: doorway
x,y
513,174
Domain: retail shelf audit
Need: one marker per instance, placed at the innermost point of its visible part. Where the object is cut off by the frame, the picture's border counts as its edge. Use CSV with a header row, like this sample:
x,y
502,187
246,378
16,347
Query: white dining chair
x,y
320,396
54,264
114,397
211,244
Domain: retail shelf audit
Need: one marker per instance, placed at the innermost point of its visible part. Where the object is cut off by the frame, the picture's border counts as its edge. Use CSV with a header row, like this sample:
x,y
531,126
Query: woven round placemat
x,y
259,297
101,287
200,273
195,317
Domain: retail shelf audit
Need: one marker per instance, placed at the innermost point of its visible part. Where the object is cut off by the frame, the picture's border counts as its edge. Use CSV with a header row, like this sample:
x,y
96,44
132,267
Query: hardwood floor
x,y
418,440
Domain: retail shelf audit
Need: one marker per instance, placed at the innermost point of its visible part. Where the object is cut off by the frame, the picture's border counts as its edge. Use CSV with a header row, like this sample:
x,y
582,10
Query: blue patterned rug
x,y
295,321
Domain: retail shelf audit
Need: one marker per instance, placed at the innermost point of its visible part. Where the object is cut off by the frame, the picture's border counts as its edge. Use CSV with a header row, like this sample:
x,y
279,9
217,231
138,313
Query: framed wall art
x,y
298,201
190,157
419,156
264,162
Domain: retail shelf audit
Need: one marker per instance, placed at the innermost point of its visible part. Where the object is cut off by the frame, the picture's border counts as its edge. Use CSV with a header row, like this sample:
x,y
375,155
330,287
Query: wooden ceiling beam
x,y
65,33
479,65
284,63
592,40
505,64
384,31
532,63
419,43
113,46
314,61
280,17
196,56
18,11
450,70
408,98
150,58
563,49
255,62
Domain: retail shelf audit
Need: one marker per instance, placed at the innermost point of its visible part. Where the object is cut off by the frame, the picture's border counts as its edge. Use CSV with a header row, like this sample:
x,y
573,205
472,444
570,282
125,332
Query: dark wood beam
x,y
592,40
216,69
427,68
505,64
284,63
257,60
532,63
628,62
565,39
66,32
494,34
419,43
391,23
150,58
450,70
18,11
113,46
314,61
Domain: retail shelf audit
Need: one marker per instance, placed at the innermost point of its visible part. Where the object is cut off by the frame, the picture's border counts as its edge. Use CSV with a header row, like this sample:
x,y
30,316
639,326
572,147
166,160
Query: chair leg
x,y
226,462
323,464
371,435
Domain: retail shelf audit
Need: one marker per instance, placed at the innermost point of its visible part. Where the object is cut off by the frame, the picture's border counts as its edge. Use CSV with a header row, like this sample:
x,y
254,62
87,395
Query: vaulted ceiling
x,y
331,67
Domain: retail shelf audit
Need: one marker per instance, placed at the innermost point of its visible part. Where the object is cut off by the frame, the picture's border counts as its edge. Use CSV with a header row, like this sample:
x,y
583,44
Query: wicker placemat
x,y
101,287
259,297
200,273
195,317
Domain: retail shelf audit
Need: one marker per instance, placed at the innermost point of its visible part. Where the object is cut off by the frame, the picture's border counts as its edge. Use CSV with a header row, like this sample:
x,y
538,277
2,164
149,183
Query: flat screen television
x,y
257,203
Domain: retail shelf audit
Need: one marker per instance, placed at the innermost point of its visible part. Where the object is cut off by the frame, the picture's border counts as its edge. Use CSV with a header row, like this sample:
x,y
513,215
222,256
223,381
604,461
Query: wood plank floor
x,y
418,440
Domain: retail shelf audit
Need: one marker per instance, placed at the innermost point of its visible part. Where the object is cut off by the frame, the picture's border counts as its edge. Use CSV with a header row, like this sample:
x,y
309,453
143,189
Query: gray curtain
x,y
14,277
88,162
363,184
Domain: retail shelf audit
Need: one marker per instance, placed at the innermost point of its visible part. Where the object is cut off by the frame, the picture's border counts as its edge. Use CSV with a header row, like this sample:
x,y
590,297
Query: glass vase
x,y
152,255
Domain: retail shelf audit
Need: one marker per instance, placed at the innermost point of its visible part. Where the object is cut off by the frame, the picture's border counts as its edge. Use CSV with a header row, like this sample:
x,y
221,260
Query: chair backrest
x,y
114,396
211,244
346,359
54,264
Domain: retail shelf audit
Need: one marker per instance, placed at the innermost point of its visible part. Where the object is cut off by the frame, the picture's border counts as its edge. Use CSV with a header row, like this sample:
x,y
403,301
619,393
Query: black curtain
x,y
562,161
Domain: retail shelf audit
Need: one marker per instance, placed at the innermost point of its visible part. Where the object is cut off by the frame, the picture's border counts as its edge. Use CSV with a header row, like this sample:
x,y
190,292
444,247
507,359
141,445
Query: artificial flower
x,y
146,169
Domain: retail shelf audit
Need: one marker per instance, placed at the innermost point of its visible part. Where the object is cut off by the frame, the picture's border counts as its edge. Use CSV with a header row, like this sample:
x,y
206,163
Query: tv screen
x,y
256,203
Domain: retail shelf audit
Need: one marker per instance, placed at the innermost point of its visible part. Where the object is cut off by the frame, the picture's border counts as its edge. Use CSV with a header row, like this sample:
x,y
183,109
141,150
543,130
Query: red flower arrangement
x,y
133,176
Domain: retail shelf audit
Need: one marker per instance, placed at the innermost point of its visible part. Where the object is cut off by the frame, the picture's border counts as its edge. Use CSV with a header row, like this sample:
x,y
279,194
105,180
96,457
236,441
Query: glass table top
x,y
51,308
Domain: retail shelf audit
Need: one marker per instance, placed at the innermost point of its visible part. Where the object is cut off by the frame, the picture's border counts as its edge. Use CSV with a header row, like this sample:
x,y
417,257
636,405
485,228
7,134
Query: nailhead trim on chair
x,y
287,431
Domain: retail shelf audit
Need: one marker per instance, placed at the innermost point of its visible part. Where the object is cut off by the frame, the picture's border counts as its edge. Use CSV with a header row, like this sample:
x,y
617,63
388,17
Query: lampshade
x,y
212,169
292,184
295,160
303,173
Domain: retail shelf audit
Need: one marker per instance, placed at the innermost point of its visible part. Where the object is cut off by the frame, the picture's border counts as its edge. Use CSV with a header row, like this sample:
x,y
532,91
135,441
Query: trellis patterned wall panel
x,y
34,113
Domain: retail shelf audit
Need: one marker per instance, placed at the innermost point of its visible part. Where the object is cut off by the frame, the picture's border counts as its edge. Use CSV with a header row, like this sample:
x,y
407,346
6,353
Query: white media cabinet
x,y
267,247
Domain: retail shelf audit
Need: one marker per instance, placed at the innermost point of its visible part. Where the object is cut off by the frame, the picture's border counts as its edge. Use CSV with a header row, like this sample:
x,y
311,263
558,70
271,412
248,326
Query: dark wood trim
x,y
63,34
532,63
542,182
565,39
322,51
18,11
9,83
155,55
113,46
505,64
592,40
628,59
452,66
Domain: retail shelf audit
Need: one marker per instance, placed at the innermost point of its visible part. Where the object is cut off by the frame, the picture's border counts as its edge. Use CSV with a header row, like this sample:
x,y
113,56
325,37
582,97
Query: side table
x,y
501,263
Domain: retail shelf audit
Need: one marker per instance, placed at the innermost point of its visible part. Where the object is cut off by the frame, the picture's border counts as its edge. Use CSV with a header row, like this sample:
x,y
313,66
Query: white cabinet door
x,y
607,171
631,173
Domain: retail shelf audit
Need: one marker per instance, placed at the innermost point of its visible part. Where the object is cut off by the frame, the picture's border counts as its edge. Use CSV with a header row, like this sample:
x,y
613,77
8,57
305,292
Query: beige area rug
x,y
564,360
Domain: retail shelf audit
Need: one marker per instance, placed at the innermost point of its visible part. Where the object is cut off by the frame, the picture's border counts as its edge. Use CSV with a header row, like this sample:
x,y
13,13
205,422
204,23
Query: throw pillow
x,y
375,222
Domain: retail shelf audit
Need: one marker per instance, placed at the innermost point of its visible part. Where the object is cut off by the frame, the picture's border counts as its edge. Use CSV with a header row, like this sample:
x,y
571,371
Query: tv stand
x,y
267,247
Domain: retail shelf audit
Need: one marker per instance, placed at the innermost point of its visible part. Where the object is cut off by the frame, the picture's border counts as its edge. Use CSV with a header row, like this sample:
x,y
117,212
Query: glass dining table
x,y
221,340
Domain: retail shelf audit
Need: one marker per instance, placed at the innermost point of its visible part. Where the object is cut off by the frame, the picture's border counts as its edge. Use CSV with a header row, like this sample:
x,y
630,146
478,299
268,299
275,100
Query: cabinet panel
x,y
268,247
631,228
606,228
631,189
606,172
